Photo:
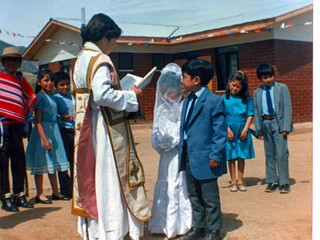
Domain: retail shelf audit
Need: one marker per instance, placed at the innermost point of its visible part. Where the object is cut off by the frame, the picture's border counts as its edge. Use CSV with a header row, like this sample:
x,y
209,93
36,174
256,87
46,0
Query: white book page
x,y
130,79
147,79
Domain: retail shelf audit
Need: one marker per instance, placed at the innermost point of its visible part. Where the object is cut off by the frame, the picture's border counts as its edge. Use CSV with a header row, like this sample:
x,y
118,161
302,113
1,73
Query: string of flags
x,y
168,39
62,43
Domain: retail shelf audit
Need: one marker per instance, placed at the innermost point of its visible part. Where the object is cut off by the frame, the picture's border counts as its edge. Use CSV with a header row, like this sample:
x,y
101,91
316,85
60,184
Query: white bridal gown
x,y
171,210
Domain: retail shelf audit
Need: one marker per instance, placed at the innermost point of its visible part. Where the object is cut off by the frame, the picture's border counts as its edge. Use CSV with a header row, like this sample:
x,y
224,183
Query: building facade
x,y
288,47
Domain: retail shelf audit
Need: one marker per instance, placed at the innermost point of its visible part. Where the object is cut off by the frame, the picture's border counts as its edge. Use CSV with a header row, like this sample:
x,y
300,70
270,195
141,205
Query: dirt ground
x,y
251,215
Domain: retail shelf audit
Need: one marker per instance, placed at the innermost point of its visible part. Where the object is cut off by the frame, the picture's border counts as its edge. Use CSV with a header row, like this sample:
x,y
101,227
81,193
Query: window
x,y
158,60
43,67
227,63
65,66
125,61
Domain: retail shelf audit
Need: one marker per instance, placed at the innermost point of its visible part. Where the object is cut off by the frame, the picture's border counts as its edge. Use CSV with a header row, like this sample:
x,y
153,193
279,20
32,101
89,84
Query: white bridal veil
x,y
167,109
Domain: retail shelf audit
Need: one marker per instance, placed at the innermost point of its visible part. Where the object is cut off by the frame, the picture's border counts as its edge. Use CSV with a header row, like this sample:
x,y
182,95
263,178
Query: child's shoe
x,y
242,187
233,187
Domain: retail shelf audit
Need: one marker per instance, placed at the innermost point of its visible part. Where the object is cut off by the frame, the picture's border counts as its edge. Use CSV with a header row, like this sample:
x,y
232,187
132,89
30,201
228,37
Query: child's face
x,y
267,80
173,94
11,64
63,87
46,84
190,84
235,87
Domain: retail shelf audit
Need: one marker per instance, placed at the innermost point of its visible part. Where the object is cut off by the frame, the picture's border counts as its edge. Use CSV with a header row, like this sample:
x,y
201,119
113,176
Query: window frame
x,y
224,70
65,66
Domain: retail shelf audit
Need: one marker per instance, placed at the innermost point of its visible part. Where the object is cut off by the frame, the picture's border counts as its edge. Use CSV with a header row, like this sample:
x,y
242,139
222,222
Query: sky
x,y
22,20
28,17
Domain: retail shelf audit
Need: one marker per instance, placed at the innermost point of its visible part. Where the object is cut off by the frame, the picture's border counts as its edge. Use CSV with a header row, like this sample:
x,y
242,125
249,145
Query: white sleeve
x,y
104,95
155,140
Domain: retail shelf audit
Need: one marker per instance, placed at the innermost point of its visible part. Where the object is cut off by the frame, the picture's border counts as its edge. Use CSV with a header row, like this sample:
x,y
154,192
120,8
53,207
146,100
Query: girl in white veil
x,y
171,210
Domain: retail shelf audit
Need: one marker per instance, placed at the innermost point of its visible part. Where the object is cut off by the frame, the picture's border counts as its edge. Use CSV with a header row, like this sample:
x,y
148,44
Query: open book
x,y
130,79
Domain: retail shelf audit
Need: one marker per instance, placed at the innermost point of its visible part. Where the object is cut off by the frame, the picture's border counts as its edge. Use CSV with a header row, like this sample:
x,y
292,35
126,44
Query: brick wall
x,y
54,66
142,63
292,62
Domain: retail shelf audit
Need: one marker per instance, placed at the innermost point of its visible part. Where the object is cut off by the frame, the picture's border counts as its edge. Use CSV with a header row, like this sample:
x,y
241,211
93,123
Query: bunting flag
x,y
168,39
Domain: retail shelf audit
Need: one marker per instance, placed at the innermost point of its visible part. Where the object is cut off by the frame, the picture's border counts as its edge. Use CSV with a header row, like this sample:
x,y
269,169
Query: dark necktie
x,y
269,101
192,98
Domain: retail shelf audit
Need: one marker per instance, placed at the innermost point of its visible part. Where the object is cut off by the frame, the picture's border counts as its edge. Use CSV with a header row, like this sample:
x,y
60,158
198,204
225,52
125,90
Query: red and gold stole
x,y
129,167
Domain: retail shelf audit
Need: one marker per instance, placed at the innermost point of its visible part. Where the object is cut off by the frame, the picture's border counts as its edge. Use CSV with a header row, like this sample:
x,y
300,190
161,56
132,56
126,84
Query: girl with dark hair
x,y
45,152
239,116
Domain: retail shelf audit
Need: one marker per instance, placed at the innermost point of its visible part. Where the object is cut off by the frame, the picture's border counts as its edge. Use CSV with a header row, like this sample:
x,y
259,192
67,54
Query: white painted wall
x,y
53,52
299,31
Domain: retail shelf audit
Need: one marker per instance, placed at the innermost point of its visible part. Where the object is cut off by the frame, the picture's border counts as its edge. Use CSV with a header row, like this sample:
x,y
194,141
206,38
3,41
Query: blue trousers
x,y
276,152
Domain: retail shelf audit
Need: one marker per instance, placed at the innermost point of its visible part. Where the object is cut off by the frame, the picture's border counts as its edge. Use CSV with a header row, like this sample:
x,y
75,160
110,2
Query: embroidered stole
x,y
129,168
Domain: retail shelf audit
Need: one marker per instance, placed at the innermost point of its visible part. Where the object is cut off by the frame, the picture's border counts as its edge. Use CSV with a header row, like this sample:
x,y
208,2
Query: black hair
x,y
100,26
60,76
264,69
201,68
41,74
243,79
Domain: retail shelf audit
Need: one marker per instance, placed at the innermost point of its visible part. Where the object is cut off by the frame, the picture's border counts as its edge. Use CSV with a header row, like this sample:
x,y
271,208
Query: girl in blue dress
x,y
45,152
239,115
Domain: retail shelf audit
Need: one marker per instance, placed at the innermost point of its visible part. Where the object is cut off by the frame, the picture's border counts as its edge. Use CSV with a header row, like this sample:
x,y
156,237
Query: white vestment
x,y
114,219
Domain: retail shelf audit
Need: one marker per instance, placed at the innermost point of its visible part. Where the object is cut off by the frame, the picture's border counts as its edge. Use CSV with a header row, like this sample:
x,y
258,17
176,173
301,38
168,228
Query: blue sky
x,y
28,17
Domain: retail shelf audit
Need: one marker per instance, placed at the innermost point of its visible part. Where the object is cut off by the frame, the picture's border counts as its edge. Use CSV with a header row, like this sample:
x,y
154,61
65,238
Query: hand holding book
x,y
129,80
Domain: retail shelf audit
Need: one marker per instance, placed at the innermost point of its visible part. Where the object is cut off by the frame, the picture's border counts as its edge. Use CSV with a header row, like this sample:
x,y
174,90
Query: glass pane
x,y
125,61
233,63
222,71
158,61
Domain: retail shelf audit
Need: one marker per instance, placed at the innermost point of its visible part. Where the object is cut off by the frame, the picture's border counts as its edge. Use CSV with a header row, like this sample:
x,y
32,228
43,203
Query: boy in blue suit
x,y
273,123
203,134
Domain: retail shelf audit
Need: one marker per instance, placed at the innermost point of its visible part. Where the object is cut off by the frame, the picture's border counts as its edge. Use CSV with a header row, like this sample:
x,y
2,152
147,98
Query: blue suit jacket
x,y
207,135
283,108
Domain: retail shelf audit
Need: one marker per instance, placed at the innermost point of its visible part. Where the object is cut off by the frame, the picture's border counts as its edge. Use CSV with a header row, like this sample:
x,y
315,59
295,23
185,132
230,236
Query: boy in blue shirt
x,y
203,134
65,104
273,123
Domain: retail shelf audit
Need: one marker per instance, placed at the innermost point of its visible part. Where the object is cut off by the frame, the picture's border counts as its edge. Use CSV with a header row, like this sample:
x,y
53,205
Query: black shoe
x,y
213,235
61,197
194,233
67,195
272,187
38,200
285,188
9,206
22,202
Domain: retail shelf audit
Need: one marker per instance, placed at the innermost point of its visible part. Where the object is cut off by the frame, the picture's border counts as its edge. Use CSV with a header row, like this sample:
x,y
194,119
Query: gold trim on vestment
x,y
129,168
